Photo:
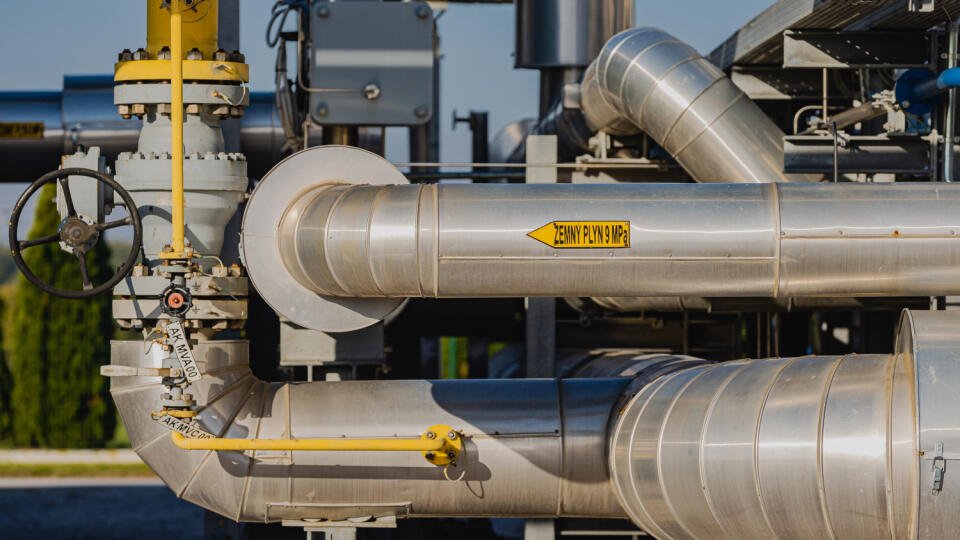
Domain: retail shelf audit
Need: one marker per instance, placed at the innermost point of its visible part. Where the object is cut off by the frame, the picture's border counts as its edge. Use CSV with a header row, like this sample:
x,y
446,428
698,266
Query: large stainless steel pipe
x,y
533,448
719,240
810,447
647,80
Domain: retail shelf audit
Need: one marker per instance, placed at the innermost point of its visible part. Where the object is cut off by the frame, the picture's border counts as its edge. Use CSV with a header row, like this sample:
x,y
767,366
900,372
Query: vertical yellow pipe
x,y
176,126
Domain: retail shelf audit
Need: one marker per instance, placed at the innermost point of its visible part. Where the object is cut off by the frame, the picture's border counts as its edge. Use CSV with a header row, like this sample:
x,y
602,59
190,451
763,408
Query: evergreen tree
x,y
59,399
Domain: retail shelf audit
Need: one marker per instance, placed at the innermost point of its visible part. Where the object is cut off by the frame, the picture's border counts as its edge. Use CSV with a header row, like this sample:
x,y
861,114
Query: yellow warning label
x,y
584,234
21,130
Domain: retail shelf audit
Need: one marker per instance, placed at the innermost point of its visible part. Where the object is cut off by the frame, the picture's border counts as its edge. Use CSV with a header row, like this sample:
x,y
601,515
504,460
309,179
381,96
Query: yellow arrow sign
x,y
584,234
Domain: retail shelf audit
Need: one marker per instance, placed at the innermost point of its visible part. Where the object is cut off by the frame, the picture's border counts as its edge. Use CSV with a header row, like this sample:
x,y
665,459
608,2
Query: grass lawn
x,y
63,470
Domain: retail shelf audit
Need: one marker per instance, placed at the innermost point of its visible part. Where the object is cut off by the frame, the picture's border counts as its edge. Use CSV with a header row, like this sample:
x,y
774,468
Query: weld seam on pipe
x,y
700,444
821,489
663,427
373,208
756,443
326,252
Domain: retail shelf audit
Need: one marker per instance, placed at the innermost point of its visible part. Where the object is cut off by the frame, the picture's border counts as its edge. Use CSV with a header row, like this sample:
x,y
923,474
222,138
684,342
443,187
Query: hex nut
x,y
194,54
125,56
163,108
236,56
431,435
430,456
193,108
141,54
452,435
164,53
220,55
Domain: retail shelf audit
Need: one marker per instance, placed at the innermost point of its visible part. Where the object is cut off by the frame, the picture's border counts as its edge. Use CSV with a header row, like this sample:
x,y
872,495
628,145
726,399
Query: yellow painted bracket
x,y
440,444
193,70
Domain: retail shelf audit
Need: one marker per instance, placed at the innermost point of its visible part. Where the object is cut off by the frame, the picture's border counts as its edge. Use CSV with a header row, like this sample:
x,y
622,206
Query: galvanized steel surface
x,y
719,240
646,80
809,447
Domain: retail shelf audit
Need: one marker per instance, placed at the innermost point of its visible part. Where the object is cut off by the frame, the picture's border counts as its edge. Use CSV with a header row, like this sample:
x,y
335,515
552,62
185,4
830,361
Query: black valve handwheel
x,y
76,233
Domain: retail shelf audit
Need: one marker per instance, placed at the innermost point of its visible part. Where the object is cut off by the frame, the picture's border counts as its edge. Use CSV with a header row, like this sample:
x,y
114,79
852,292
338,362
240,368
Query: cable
x,y
280,11
229,69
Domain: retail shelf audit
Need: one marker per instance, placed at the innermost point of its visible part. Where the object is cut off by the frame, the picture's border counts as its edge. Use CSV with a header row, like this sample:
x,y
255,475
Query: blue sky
x,y
44,39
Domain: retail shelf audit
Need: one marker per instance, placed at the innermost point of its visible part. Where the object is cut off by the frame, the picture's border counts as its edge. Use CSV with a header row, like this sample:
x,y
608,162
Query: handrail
x,y
440,444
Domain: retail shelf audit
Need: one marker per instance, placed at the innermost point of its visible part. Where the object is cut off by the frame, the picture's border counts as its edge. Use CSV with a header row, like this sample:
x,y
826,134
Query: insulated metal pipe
x,y
647,80
531,448
809,447
719,240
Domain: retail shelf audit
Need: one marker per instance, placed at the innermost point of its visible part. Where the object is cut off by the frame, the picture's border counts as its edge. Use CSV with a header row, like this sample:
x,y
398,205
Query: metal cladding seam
x,y
644,79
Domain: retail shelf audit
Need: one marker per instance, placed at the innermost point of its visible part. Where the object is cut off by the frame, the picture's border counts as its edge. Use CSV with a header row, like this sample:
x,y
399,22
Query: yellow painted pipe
x,y
198,26
436,444
353,445
176,131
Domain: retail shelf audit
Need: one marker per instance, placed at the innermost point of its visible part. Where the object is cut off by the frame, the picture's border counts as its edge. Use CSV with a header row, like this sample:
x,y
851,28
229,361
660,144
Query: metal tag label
x,y
177,339
186,429
584,234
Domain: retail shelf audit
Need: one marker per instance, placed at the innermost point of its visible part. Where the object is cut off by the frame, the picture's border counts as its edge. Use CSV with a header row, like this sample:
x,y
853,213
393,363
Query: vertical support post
x,y
824,115
538,529
176,127
950,120
541,335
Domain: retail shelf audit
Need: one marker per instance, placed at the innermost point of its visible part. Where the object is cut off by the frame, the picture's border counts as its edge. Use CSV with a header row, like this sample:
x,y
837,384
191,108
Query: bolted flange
x,y
450,446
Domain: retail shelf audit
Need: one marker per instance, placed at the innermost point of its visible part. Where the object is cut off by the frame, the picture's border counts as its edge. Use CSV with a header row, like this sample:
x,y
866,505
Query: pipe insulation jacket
x,y
532,447
647,80
716,240
811,447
